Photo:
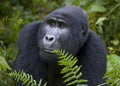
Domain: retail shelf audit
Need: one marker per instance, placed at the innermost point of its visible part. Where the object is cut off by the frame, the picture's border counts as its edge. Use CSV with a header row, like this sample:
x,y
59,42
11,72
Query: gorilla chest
x,y
53,76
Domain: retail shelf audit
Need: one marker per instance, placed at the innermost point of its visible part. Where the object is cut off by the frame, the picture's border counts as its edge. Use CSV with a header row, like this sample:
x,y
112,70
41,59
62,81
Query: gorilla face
x,y
56,34
54,30
57,31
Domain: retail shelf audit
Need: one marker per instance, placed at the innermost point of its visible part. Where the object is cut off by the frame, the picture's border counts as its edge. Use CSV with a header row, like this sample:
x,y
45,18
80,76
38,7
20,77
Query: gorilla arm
x,y
92,57
28,52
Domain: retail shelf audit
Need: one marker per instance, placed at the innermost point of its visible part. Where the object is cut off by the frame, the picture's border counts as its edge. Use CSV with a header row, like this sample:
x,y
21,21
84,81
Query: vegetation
x,y
113,70
103,19
26,79
71,71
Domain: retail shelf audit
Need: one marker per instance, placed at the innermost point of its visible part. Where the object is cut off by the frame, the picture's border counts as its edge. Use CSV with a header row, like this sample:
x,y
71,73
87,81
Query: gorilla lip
x,y
47,50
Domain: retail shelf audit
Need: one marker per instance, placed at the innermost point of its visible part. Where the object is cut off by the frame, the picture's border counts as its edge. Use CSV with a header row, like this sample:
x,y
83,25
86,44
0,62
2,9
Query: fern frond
x,y
26,79
40,82
112,75
71,71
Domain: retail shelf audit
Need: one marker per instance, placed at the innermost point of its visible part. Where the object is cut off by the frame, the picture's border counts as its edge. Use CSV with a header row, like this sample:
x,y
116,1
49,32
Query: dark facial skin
x,y
55,29
55,34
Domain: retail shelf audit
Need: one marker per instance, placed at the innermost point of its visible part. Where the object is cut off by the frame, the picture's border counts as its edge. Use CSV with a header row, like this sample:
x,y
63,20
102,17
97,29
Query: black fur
x,y
84,44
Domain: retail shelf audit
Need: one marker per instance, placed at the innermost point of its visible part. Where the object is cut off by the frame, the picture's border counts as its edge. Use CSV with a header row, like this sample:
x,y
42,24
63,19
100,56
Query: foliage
x,y
71,71
27,11
9,53
8,33
5,79
113,70
26,79
9,28
103,17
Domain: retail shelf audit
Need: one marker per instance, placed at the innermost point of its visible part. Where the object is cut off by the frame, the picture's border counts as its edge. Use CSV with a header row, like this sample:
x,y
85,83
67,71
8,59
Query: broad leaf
x,y
3,64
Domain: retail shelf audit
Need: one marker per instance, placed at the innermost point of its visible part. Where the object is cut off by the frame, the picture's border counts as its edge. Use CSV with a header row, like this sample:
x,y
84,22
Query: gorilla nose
x,y
49,39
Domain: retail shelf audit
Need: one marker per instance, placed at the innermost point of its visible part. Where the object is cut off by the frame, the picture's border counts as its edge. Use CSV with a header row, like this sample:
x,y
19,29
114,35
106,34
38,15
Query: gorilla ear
x,y
84,29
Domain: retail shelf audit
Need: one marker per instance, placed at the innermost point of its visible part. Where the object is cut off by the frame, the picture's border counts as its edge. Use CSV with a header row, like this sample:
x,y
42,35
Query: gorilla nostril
x,y
50,38
46,38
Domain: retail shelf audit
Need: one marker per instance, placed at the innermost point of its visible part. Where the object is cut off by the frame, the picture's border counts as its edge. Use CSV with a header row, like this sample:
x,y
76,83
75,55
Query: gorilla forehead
x,y
72,14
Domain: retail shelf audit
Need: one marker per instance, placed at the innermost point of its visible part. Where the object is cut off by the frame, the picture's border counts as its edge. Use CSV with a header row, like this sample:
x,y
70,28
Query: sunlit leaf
x,y
98,8
100,20
3,64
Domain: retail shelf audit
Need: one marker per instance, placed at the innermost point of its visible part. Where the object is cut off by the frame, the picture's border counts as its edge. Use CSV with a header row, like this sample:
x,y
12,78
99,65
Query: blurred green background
x,y
104,19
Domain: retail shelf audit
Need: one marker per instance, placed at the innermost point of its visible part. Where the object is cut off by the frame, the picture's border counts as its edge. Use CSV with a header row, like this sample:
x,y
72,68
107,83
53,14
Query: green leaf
x,y
76,69
3,64
115,42
83,2
67,74
65,69
69,2
79,75
73,62
98,8
82,80
100,21
69,79
72,83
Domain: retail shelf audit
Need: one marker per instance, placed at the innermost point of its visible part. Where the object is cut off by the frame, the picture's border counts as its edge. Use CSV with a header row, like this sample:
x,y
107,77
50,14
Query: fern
x,y
71,71
26,79
113,70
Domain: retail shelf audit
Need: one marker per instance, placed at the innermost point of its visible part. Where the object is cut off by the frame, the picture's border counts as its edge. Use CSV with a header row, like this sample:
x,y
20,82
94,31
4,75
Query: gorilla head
x,y
63,29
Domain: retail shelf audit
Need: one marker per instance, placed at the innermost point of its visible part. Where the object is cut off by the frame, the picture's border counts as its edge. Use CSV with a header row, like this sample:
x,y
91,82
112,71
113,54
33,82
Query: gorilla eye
x,y
51,23
61,25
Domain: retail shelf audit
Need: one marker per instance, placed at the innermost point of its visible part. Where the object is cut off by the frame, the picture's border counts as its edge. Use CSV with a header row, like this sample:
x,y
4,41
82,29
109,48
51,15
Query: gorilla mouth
x,y
47,50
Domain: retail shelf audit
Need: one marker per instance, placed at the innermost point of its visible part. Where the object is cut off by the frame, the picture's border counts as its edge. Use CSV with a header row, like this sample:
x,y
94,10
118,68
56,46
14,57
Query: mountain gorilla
x,y
65,28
